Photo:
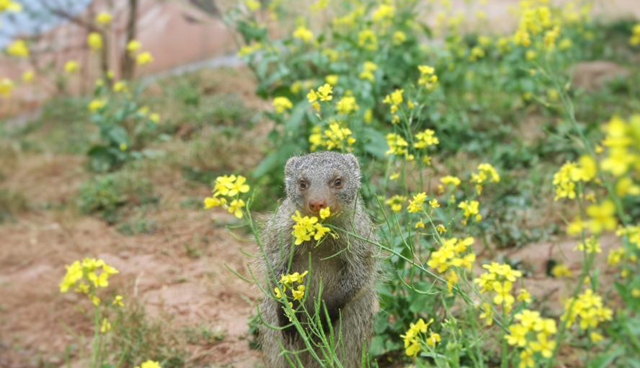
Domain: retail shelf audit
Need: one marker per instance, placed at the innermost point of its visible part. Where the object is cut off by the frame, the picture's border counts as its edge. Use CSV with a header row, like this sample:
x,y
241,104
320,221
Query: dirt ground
x,y
35,318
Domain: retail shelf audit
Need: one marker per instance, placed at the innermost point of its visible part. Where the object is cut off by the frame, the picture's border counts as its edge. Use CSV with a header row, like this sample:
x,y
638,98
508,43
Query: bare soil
x,y
36,319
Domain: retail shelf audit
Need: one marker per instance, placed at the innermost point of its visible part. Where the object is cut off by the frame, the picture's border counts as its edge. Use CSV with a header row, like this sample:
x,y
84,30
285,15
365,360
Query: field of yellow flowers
x,y
501,168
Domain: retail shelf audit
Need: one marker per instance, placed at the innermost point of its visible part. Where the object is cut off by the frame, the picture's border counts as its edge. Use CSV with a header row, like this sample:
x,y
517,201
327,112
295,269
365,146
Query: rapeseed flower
x,y
282,104
396,202
104,18
18,48
71,66
6,87
144,58
304,34
94,40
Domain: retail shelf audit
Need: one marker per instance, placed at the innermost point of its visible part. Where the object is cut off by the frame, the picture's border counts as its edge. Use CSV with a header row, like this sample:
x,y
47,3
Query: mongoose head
x,y
322,179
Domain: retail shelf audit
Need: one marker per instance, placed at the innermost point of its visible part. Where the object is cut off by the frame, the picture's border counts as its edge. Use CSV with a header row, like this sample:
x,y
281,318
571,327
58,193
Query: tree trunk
x,y
128,60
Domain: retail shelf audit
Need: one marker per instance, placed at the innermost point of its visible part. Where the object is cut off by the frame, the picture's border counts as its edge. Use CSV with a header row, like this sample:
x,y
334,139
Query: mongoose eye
x,y
303,185
337,183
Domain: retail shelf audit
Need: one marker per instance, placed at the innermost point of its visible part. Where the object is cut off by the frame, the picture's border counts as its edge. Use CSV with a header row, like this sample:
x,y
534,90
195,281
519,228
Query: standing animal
x,y
343,267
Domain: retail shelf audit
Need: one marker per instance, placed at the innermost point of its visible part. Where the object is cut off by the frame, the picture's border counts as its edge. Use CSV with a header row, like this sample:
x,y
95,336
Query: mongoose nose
x,y
316,206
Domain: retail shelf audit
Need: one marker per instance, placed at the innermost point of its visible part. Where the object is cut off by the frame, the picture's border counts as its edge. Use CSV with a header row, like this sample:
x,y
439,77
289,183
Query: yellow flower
x,y
561,270
591,245
397,145
384,12
433,339
320,231
602,217
97,104
367,40
155,117
517,335
10,5
450,180
332,79
145,58
94,40
253,5
325,213
303,229
211,202
419,225
635,35
399,37
120,87
118,301
595,337
471,208
71,66
487,314
367,71
105,326
426,139
282,104
28,76
524,295
150,364
346,105
294,277
235,207
304,34
396,202
133,46
18,48
6,87
104,18
428,78
503,294
298,294
324,92
415,205
87,276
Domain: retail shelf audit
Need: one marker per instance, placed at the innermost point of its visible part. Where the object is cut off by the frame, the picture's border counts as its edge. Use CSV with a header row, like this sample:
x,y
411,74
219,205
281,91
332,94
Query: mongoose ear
x,y
291,166
353,162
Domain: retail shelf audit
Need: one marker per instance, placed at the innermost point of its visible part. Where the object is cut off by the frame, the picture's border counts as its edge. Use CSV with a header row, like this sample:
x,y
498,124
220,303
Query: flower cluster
x,y
396,203
334,138
452,254
571,173
227,192
499,278
287,282
412,337
471,209
306,227
428,77
367,71
87,277
587,309
635,35
536,19
323,93
282,104
398,146
486,173
534,334
394,99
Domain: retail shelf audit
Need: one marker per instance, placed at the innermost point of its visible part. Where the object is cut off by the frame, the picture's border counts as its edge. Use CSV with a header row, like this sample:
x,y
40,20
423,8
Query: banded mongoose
x,y
344,267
